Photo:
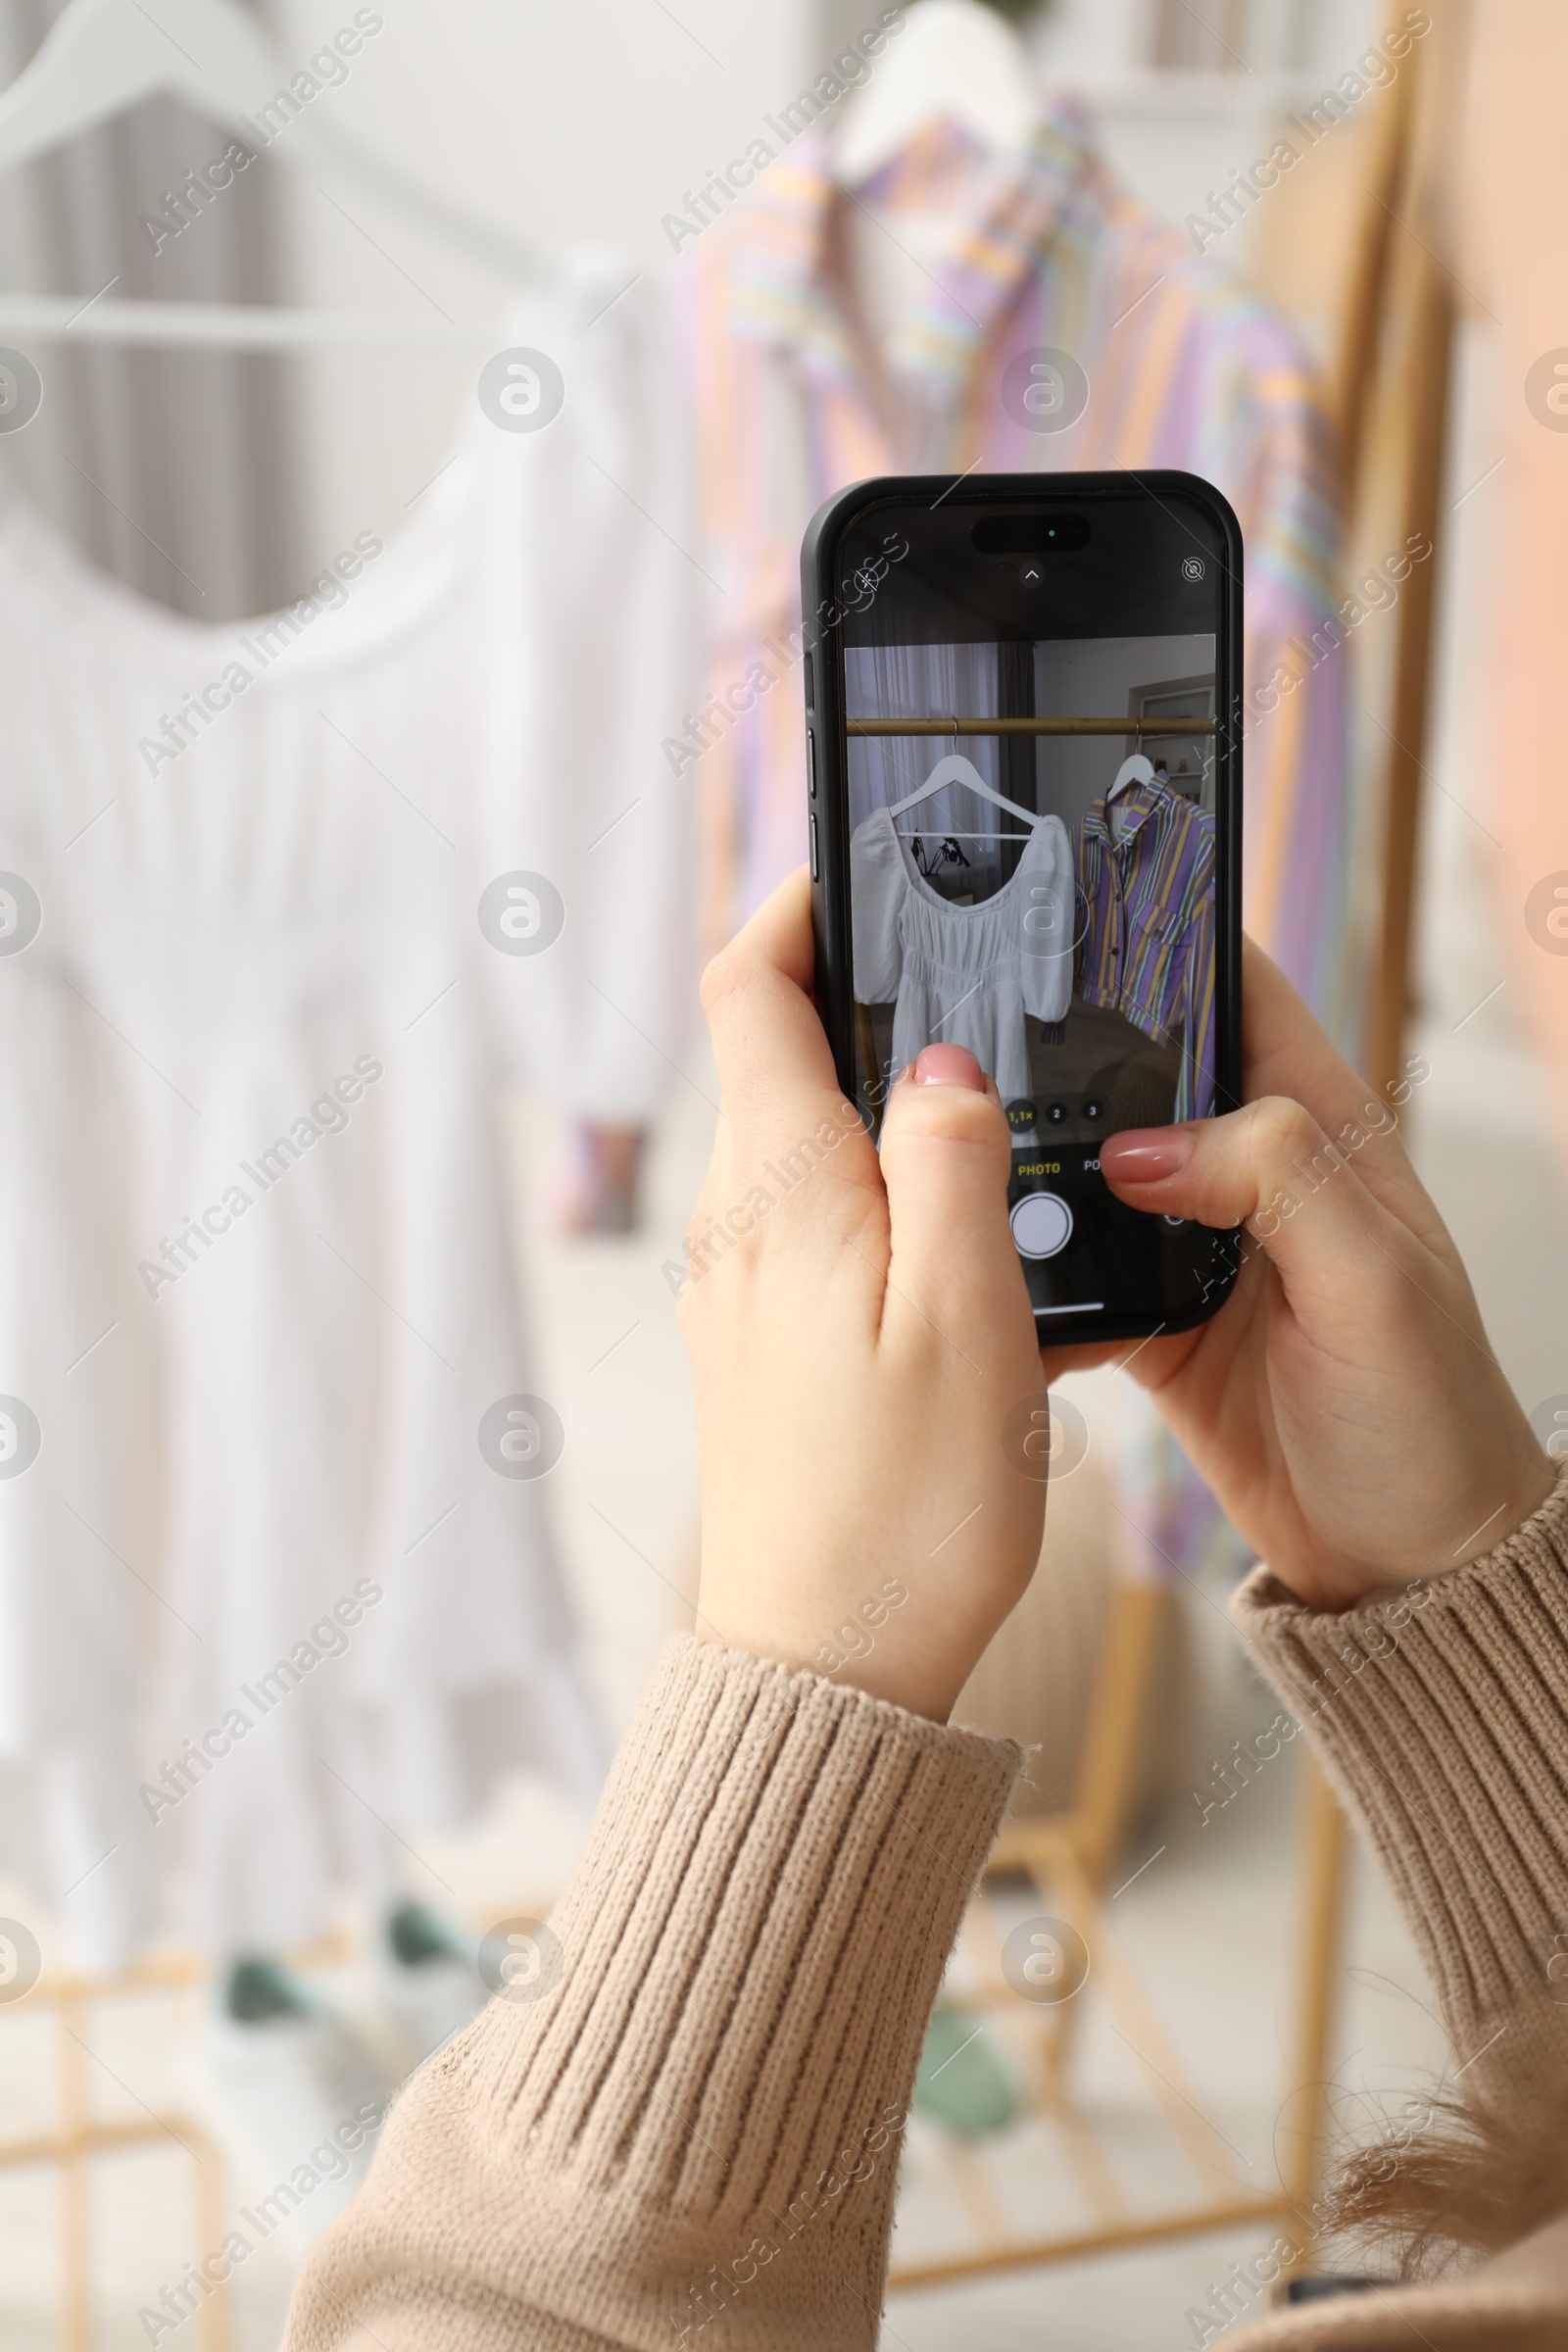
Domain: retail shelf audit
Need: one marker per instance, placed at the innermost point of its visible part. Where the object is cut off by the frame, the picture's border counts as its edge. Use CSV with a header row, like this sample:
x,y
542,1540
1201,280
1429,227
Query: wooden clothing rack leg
x,y
1394,392
75,2150
78,2148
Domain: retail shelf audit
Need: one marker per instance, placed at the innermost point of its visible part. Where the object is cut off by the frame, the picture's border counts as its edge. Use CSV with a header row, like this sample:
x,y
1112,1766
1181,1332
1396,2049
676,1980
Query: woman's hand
x,y
1344,1404
858,1330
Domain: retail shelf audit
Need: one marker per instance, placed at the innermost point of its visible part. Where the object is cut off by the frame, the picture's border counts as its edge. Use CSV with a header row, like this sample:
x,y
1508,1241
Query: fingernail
x,y
1143,1154
948,1066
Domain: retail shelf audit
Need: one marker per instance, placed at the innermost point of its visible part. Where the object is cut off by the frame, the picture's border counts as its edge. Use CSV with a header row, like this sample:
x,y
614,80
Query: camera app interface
x,y
1030,712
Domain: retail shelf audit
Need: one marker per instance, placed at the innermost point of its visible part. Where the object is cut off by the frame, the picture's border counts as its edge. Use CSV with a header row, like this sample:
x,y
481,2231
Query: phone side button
x,y
810,763
815,875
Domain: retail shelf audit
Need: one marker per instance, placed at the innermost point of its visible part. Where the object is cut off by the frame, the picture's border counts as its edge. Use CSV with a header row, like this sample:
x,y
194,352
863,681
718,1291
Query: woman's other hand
x,y
1344,1404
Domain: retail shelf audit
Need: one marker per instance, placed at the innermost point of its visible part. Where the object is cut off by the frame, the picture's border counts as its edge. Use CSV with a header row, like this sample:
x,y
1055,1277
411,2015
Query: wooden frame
x,y
1066,1859
82,2140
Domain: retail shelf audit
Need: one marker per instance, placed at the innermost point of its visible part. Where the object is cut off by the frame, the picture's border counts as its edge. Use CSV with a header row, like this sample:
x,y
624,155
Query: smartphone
x,y
1023,768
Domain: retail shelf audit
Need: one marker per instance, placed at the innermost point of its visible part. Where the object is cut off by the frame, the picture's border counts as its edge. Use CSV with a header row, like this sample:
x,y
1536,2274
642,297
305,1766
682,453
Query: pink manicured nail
x,y
1145,1155
948,1066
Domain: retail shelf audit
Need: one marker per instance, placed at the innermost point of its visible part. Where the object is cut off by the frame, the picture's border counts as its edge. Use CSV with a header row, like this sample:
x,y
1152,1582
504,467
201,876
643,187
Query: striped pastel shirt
x,y
1145,928
1187,368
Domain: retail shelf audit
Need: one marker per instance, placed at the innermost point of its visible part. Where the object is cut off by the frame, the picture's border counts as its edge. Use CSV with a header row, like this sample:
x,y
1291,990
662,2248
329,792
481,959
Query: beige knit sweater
x,y
690,2135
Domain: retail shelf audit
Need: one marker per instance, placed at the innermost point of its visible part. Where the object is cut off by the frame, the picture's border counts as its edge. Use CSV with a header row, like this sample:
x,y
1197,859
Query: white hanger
x,y
953,58
957,770
1136,770
101,57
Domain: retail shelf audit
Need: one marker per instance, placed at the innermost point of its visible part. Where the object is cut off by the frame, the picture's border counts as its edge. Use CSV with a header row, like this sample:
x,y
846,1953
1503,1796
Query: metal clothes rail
x,y
1029,726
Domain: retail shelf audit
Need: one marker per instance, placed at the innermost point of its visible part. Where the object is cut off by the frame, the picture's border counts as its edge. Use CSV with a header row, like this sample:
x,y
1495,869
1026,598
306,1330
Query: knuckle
x,y
723,976
945,1113
1282,1132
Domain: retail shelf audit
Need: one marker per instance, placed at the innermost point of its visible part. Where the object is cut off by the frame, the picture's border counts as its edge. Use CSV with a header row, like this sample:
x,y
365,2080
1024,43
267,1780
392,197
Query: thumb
x,y
1271,1168
946,1156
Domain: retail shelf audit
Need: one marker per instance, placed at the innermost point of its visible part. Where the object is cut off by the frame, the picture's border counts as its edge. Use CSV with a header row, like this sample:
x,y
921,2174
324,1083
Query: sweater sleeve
x,y
1442,1713
693,2107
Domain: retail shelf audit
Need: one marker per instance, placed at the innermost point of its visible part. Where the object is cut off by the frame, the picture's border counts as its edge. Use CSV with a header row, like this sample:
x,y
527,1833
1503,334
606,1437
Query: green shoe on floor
x,y
962,2083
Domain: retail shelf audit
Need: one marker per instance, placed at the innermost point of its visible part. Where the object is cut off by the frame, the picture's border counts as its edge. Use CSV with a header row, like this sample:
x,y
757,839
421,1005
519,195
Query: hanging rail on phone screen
x,y
1029,726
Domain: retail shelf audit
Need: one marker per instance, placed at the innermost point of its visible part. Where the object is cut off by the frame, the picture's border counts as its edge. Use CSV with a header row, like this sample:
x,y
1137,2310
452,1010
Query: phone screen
x,y
1036,814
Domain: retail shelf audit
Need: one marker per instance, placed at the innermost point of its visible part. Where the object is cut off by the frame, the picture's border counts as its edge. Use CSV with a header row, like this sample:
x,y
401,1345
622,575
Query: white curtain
x,y
926,681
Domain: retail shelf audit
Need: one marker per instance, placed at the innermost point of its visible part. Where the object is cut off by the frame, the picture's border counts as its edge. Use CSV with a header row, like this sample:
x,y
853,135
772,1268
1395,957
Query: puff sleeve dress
x,y
964,975
256,1291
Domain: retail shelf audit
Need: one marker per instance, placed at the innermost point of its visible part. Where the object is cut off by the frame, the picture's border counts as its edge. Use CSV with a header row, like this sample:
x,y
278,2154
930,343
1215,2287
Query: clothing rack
x,y
231,326
1029,726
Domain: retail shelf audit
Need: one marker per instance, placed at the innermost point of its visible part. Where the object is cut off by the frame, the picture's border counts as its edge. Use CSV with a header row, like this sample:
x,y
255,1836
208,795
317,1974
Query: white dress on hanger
x,y
964,975
290,902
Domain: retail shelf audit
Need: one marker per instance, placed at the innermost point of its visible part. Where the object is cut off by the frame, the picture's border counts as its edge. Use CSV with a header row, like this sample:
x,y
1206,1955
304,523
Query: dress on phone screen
x,y
964,975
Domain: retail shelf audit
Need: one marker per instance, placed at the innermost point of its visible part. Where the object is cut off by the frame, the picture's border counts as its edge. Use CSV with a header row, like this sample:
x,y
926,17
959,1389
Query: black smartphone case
x,y
822,598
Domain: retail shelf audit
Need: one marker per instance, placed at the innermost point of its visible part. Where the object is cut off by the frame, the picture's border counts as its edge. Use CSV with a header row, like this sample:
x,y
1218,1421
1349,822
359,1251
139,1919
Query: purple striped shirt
x,y
1145,944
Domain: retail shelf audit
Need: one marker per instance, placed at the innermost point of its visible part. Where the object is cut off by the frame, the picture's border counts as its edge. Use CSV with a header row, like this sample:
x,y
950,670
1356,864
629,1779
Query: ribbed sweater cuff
x,y
749,1950
1441,1713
